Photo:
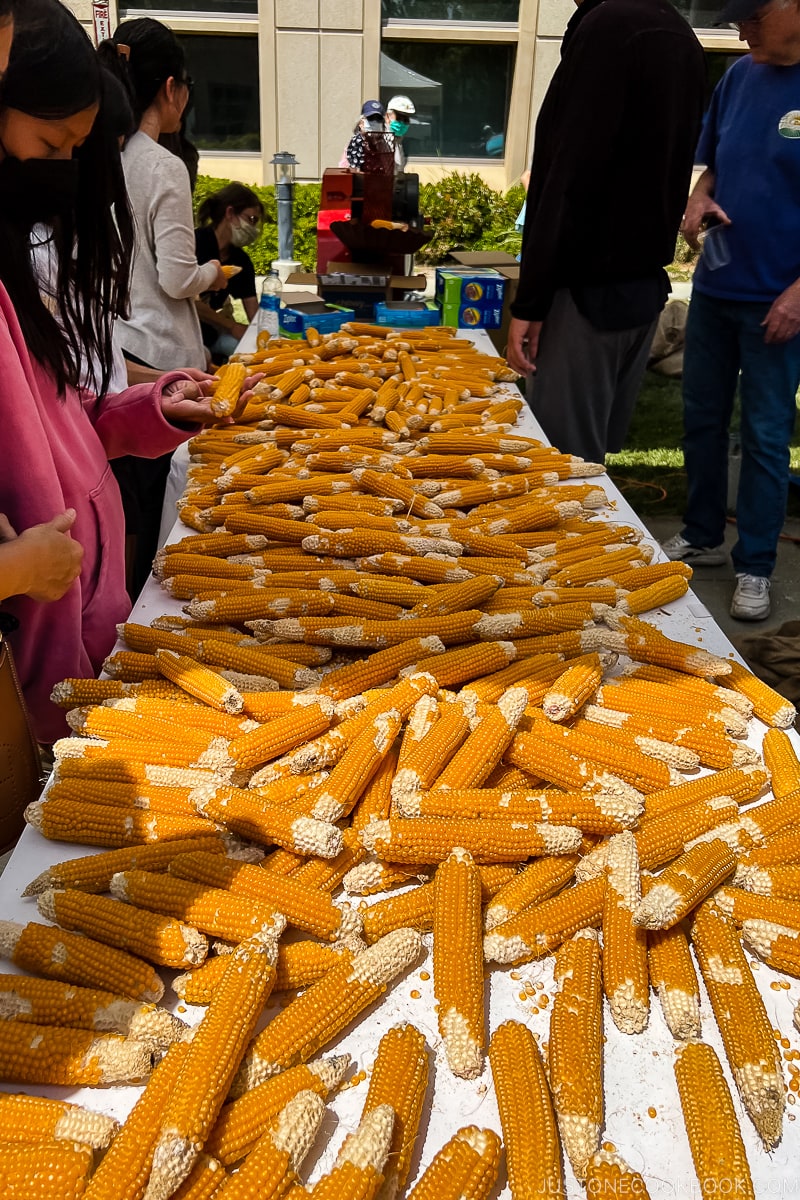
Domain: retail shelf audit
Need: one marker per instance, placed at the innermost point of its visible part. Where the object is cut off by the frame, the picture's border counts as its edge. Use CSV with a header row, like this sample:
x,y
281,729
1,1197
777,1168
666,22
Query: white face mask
x,y
244,234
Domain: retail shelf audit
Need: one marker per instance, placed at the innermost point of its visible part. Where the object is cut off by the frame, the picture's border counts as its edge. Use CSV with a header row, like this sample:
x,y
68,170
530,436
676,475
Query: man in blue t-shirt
x,y
745,310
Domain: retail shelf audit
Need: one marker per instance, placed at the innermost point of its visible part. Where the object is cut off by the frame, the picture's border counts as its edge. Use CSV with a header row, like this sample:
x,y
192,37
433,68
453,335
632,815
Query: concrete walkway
x,y
714,585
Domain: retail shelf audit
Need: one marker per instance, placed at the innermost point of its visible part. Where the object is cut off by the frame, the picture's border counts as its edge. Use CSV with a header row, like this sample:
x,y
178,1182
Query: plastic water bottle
x,y
269,305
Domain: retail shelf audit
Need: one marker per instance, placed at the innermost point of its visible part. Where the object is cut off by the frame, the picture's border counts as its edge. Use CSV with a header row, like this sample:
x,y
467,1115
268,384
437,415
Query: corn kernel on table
x,y
643,1119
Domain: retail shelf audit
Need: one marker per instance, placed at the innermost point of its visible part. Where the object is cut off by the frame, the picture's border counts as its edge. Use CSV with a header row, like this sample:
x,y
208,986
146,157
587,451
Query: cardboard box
x,y
507,266
359,285
470,296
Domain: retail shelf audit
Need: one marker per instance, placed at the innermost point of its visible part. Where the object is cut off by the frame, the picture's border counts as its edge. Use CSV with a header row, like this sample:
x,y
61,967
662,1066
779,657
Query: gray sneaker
x,y
751,598
678,549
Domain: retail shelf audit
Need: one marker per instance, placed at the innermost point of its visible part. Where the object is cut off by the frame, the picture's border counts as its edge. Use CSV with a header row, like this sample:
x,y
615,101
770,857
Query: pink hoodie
x,y
54,453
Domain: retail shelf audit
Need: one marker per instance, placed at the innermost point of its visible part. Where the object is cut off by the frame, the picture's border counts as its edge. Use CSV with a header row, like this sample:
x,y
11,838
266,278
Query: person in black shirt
x,y
612,163
230,219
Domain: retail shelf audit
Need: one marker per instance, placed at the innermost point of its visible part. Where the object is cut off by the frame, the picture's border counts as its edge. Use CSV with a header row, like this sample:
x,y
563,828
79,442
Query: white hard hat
x,y
401,104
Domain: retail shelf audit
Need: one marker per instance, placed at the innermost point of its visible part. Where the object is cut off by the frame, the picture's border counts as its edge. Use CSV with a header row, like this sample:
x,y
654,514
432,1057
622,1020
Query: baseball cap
x,y
741,10
372,108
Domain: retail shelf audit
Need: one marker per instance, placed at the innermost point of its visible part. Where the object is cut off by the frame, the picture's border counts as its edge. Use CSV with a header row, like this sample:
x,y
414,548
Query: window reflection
x,y
225,111
460,92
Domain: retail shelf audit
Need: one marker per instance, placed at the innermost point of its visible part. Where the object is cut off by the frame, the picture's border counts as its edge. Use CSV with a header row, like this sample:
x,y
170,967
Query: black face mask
x,y
38,190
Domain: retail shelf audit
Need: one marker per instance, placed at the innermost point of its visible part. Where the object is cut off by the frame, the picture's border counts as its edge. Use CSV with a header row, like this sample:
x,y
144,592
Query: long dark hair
x,y
234,195
53,73
153,56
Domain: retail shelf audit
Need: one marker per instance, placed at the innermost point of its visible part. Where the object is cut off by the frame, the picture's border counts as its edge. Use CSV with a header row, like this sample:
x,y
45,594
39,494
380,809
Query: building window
x,y
460,92
225,110
218,7
450,10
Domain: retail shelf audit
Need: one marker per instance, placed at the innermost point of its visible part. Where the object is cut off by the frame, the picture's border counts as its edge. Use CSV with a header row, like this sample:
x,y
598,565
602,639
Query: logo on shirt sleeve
x,y
789,124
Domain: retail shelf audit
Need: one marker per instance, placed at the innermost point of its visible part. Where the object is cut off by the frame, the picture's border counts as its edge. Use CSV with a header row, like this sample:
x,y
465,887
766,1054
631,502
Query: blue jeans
x,y
724,337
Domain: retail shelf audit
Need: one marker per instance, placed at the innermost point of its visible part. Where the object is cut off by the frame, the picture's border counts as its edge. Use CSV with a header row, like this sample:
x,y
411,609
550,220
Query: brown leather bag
x,y
20,766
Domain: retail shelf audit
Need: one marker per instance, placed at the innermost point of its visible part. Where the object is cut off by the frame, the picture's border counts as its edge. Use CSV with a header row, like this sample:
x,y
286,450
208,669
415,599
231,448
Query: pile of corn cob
x,y
398,674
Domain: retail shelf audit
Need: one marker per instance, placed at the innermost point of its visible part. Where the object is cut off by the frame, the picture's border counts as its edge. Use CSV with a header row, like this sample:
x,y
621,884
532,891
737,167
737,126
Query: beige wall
x,y
319,59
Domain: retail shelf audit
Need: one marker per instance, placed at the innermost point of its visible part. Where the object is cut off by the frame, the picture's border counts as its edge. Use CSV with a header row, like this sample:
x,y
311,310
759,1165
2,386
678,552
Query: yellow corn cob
x,y
466,1166
551,760
378,668
93,873
674,978
743,906
67,957
534,673
641,698
199,681
69,693
782,763
778,945
679,757
169,801
469,662
44,1170
376,799
457,596
715,1140
226,393
652,573
713,749
693,685
742,1019
486,744
217,1048
56,1054
338,795
665,837
769,706
625,977
654,595
458,963
321,1012
572,689
223,544
210,909
644,643
49,1002
206,719
425,763
533,1148
302,907
36,1119
108,825
357,1173
772,817
684,884
127,666
399,1078
430,839
258,661
779,882
150,936
538,930
247,814
242,1122
591,813
577,1021
531,886
783,849
741,784
609,1175
284,733
270,1169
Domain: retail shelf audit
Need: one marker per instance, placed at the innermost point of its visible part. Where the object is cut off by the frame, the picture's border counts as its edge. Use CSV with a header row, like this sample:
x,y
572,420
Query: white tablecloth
x,y
638,1069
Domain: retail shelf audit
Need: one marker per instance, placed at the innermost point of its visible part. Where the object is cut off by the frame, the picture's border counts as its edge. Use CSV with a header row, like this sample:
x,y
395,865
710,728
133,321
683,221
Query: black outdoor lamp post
x,y
284,165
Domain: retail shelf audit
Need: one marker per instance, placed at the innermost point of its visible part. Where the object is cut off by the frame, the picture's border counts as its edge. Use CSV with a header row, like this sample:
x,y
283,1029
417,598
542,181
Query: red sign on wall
x,y
102,20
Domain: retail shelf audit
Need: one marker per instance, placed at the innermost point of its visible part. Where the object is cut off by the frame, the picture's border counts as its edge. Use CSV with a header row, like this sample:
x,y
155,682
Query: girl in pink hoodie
x,y
59,167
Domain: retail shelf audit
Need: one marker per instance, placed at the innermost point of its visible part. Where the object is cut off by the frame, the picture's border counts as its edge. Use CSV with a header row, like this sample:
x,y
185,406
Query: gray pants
x,y
587,380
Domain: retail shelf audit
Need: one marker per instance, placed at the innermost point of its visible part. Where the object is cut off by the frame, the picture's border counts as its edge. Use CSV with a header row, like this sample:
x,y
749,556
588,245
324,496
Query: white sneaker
x,y
751,598
678,549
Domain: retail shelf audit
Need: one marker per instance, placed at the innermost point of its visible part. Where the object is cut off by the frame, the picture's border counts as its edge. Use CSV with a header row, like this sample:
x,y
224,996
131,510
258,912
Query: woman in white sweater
x,y
163,330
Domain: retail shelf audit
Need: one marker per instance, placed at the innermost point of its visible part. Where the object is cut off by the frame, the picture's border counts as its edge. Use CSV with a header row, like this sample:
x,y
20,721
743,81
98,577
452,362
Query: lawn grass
x,y
649,470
